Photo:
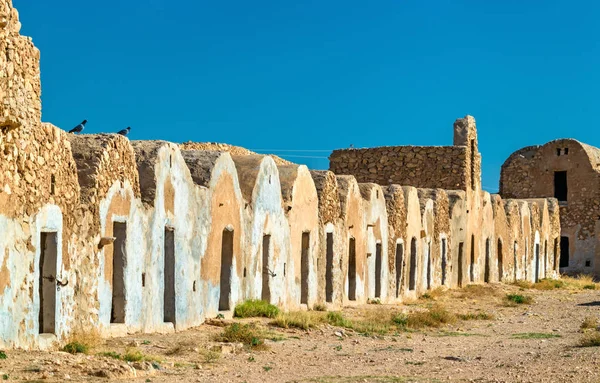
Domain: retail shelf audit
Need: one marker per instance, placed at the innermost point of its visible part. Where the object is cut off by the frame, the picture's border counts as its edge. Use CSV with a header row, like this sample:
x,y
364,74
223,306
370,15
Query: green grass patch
x,y
255,308
535,335
110,354
319,307
247,334
3,355
518,299
436,316
135,355
589,323
76,348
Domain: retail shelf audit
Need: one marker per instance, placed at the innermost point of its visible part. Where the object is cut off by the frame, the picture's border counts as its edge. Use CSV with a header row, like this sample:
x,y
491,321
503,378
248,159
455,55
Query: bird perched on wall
x,y
79,128
124,132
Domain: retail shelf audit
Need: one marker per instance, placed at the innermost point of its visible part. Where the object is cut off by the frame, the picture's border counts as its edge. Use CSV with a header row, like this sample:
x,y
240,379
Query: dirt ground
x,y
466,351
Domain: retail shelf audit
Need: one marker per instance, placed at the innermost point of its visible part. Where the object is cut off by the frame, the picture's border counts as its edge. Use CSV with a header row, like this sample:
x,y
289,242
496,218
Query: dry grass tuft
x,y
591,339
82,342
476,316
436,316
589,322
304,320
477,291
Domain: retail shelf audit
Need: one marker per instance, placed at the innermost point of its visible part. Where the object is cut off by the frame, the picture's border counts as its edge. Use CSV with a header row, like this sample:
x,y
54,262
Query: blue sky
x,y
318,75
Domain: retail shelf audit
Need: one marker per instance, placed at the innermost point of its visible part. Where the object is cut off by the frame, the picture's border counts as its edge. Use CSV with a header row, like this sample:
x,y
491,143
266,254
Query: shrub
x,y
110,354
518,299
3,355
133,355
255,308
76,348
247,334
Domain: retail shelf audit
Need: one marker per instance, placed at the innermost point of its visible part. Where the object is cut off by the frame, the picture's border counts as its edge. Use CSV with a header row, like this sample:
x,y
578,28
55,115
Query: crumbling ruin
x,y
568,171
102,233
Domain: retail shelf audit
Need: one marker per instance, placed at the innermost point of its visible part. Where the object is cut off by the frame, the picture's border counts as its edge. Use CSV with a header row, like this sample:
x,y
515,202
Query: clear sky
x,y
314,75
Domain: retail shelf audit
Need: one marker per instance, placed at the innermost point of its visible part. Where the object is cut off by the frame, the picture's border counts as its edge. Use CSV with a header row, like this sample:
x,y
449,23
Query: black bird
x,y
124,132
79,128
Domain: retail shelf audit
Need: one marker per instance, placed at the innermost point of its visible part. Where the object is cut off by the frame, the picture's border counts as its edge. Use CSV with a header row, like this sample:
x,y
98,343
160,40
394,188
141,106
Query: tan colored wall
x,y
396,209
301,205
458,230
354,223
413,230
529,173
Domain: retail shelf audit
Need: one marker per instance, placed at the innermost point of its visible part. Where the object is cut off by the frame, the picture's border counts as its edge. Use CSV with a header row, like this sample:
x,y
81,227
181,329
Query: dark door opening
x,y
378,266
555,264
537,262
266,272
119,262
515,261
47,283
169,279
560,186
486,269
304,268
444,261
500,261
399,260
461,263
226,265
429,266
412,280
472,268
545,258
329,269
564,252
352,269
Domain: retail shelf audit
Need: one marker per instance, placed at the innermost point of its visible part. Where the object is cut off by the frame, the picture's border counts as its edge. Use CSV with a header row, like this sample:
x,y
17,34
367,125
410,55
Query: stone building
x,y
569,171
99,233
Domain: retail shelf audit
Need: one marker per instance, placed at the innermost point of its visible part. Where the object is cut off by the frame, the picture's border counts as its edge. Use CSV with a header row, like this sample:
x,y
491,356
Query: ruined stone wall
x,y
396,209
419,166
20,86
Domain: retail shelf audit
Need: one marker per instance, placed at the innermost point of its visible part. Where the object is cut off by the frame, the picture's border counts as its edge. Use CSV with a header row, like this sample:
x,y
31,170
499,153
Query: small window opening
x,y
194,286
588,263
244,272
52,184
566,151
143,279
558,152
284,265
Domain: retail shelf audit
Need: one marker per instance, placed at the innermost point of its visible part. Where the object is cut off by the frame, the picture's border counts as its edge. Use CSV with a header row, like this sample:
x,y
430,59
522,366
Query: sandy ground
x,y
467,351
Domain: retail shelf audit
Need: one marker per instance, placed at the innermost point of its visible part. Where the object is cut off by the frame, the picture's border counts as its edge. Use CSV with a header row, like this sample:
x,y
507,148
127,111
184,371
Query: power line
x,y
292,150
293,155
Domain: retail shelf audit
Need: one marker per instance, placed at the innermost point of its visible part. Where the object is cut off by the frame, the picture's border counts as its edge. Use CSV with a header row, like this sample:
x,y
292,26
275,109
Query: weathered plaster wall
x,y
261,189
216,177
414,235
168,192
396,210
330,225
457,258
301,205
354,227
376,216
